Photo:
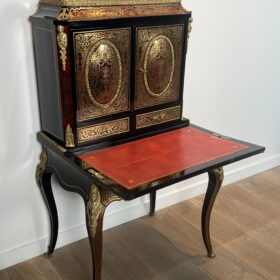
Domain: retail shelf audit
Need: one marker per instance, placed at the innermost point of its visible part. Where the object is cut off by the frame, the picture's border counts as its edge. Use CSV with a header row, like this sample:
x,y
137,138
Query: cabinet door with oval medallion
x,y
158,64
102,72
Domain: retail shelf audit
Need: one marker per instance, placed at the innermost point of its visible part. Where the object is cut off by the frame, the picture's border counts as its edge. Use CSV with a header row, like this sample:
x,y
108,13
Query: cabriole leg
x,y
216,177
152,203
44,181
99,199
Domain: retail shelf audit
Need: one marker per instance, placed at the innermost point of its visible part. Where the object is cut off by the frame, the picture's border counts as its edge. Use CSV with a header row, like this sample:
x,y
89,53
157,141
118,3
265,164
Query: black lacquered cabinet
x,y
110,82
109,71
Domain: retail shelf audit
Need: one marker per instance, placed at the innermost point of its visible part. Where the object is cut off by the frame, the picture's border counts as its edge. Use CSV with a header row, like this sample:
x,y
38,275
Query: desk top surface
x,y
141,162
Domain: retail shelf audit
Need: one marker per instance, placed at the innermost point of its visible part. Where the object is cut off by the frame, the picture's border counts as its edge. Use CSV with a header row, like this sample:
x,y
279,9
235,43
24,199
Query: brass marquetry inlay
x,y
158,117
87,13
62,42
103,130
80,3
158,64
160,53
102,72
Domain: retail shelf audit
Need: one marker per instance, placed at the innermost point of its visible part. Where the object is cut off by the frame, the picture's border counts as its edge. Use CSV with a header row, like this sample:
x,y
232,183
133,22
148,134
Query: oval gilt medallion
x,y
103,73
159,65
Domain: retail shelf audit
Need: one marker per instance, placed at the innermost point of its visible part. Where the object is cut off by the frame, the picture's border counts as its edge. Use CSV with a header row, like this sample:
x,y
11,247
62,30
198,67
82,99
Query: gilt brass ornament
x,y
64,14
41,166
69,137
62,42
99,199
190,26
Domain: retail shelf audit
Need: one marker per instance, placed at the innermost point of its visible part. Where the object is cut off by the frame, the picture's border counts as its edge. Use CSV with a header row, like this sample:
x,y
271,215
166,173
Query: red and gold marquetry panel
x,y
103,130
120,11
158,117
158,64
102,72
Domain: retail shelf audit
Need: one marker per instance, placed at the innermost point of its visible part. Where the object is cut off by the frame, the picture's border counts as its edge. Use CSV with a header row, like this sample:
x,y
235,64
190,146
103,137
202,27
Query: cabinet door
x,y
158,64
102,60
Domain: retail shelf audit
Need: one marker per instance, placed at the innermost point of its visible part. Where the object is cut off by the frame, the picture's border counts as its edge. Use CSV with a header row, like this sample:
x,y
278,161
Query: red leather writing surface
x,y
149,159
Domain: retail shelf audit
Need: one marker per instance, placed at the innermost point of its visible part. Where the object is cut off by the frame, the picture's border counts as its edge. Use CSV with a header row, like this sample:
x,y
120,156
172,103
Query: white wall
x,y
232,87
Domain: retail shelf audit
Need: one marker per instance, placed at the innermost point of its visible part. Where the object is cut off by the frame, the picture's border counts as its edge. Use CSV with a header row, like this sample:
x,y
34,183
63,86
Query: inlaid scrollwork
x,y
159,58
158,64
103,130
119,11
102,60
158,117
103,73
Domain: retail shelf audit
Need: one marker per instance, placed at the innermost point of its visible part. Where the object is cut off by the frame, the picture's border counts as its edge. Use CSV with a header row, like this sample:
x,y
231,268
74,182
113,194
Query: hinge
x,y
96,174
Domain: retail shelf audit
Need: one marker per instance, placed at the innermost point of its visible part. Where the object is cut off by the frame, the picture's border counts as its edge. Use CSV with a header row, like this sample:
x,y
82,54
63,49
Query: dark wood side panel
x,y
44,36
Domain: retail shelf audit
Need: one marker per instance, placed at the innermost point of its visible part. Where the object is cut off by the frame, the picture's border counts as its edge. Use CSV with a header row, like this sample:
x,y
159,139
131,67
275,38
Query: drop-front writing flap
x,y
144,161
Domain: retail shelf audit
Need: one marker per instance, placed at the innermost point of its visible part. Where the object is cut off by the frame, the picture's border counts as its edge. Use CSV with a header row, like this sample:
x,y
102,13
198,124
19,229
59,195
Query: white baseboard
x,y
123,214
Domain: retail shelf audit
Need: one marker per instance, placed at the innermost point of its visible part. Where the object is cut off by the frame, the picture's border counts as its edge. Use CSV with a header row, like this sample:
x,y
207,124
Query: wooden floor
x,y
245,232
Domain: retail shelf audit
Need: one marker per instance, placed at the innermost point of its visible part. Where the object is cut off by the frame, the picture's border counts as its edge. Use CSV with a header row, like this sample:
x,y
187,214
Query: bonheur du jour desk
x,y
135,168
110,77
